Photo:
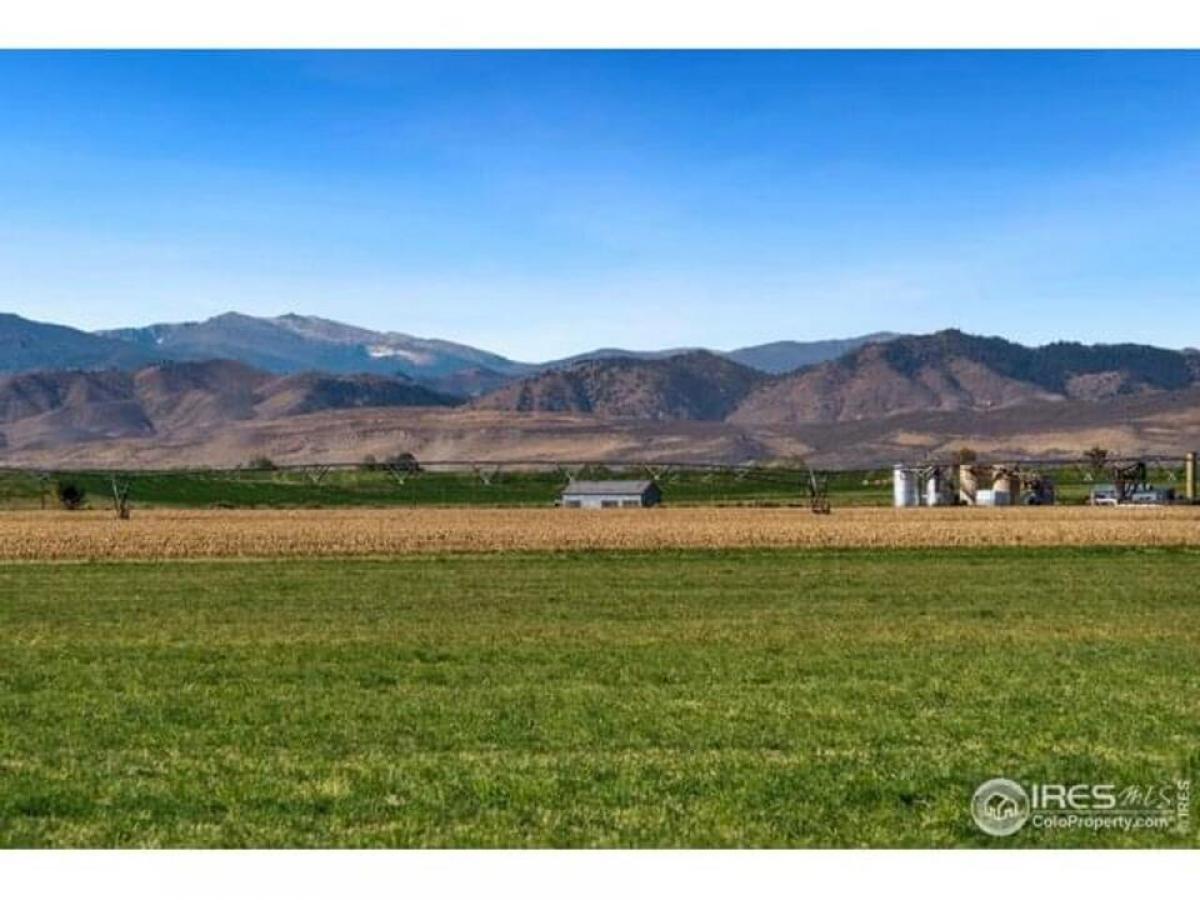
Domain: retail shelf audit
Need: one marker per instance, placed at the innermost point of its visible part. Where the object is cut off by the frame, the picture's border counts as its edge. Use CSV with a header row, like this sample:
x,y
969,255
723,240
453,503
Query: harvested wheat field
x,y
161,534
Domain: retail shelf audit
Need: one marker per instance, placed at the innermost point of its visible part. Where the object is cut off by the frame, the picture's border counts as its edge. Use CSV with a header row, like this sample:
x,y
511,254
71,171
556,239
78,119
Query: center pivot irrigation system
x,y
791,477
929,483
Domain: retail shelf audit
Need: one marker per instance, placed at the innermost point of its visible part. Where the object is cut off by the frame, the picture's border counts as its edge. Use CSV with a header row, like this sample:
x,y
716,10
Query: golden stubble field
x,y
206,534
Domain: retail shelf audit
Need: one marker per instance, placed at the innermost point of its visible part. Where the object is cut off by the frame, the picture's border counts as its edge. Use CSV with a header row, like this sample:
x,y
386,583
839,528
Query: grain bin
x,y
938,491
1002,480
1006,486
967,485
905,487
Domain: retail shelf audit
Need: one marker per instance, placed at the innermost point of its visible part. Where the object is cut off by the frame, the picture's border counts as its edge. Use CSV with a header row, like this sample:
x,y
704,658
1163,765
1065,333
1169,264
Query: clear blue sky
x,y
540,204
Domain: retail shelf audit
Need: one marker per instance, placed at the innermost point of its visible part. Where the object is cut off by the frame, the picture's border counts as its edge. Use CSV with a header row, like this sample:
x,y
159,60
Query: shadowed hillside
x,y
172,400
27,346
697,386
951,371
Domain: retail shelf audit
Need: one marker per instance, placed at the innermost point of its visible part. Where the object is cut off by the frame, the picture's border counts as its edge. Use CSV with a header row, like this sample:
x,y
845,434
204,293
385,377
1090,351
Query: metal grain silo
x,y
1006,487
905,487
938,490
967,485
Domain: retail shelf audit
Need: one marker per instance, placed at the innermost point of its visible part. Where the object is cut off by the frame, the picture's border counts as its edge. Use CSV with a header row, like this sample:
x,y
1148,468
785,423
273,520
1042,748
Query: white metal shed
x,y
610,494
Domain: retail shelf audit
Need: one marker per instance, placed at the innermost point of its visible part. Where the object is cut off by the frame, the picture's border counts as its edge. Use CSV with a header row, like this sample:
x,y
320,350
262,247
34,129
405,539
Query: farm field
x,y
290,489
489,486
189,534
697,698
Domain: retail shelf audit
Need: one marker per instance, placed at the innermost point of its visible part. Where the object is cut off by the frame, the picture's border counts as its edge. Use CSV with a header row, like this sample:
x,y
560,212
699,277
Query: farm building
x,y
610,494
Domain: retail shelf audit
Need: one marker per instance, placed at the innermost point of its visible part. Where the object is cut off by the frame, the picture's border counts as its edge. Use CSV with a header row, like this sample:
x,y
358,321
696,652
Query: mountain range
x,y
27,346
292,343
303,389
945,372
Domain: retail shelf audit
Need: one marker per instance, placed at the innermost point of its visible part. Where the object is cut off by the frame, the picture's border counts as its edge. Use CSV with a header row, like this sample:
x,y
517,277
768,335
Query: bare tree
x,y
965,456
1097,458
404,462
120,493
401,465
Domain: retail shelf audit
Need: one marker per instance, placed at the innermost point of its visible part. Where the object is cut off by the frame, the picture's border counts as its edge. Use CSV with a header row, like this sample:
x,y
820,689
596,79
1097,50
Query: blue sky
x,y
540,204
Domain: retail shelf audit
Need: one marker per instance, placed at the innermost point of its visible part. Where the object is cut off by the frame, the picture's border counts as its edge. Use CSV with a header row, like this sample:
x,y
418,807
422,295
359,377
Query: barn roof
x,y
607,487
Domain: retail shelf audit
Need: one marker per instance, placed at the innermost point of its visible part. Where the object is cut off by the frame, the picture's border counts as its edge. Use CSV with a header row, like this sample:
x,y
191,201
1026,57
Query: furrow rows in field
x,y
160,534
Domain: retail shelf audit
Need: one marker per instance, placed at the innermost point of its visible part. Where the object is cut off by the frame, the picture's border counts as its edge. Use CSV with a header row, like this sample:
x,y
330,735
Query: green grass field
x,y
349,488
710,699
360,487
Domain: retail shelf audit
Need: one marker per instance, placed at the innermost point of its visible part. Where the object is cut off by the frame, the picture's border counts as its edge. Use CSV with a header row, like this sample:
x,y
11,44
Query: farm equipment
x,y
1130,486
1037,488
1128,479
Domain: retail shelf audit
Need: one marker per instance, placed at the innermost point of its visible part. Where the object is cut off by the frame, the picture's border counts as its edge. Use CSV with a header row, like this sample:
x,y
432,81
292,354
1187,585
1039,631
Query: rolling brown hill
x,y
954,372
173,401
1165,423
697,386
53,409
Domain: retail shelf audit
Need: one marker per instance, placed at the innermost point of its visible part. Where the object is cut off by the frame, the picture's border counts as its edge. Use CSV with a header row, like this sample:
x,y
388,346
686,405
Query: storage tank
x,y
937,489
1005,486
967,485
905,489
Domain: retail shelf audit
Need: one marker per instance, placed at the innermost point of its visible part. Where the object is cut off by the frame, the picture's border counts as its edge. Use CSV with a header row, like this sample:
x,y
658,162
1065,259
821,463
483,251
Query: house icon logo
x,y
1000,807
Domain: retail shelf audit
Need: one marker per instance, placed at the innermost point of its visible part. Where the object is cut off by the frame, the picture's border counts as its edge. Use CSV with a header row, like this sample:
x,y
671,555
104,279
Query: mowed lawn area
x,y
654,699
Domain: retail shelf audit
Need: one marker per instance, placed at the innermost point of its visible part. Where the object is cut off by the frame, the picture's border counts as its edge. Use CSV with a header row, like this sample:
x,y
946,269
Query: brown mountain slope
x,y
1164,423
871,387
49,409
177,401
474,381
35,393
697,386
950,371
309,392
198,395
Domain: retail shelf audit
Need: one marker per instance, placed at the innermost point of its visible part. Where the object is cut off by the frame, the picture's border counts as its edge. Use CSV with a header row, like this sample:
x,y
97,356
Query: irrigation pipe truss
x,y
772,470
